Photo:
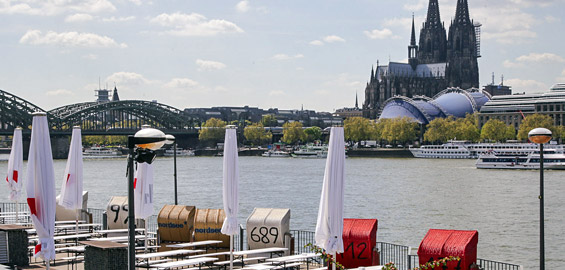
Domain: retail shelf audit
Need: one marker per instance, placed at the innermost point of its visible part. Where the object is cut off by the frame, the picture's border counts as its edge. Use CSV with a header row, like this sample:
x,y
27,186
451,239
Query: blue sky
x,y
261,53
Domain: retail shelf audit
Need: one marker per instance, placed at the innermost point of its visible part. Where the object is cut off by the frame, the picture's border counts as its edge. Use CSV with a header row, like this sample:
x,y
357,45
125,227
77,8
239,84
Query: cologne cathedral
x,y
440,60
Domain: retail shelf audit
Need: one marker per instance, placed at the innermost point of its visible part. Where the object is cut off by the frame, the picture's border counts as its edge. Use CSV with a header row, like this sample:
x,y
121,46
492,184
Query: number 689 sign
x,y
265,235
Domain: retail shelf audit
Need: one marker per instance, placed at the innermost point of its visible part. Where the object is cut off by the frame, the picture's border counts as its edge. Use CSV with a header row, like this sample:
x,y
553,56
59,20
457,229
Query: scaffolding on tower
x,y
477,26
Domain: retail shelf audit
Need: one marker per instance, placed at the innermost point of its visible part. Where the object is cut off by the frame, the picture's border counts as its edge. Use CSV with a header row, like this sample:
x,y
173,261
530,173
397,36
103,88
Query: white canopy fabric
x,y
15,167
143,190
329,227
230,183
71,188
41,186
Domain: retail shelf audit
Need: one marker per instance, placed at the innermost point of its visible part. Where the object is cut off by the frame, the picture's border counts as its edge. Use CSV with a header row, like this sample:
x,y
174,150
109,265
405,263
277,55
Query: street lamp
x,y
541,136
147,140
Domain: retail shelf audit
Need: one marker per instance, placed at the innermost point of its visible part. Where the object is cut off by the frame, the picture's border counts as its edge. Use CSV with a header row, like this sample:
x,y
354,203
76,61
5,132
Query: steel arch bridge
x,y
113,117
15,111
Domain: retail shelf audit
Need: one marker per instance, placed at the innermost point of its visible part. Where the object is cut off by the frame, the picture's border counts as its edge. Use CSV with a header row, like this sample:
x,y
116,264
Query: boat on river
x,y
276,153
530,161
464,149
311,151
180,152
101,152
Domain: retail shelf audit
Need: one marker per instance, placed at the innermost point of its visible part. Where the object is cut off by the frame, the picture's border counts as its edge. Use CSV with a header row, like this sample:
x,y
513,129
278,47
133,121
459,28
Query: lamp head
x,y
169,139
147,132
539,135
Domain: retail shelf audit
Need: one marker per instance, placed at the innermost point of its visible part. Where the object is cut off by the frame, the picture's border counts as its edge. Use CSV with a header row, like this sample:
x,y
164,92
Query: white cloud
x,y
136,2
59,92
72,39
333,38
128,78
90,56
378,34
242,6
79,17
283,56
194,24
277,93
551,19
541,58
118,19
529,86
316,43
55,7
181,83
209,65
510,64
421,4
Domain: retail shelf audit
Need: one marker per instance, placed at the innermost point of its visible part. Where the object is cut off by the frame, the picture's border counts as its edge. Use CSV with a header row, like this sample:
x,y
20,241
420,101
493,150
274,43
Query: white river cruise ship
x,y
463,149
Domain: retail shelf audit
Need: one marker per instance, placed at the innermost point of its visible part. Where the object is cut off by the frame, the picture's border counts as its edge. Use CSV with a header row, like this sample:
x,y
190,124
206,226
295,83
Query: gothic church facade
x,y
440,60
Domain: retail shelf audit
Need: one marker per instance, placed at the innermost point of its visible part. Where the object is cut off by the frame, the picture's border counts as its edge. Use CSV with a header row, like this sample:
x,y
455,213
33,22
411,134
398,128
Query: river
x,y
408,196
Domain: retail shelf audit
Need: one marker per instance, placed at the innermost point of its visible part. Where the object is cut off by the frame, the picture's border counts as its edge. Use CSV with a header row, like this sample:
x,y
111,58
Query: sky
x,y
262,53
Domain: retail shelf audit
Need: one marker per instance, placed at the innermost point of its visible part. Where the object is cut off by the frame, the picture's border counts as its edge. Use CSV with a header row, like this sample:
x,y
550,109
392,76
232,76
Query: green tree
x,y
212,131
467,128
269,120
400,130
293,132
440,130
256,134
494,130
313,133
534,121
510,133
357,129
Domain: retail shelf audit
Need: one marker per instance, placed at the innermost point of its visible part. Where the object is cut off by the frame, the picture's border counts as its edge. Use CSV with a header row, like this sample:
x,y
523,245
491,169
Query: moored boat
x,y
463,149
101,152
311,151
180,152
276,153
493,160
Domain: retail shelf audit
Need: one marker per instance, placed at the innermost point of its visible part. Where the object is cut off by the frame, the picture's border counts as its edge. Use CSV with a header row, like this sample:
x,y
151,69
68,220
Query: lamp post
x,y
541,136
150,139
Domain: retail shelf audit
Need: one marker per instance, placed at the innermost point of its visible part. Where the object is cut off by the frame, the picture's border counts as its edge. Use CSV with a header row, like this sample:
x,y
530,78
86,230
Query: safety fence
x,y
403,257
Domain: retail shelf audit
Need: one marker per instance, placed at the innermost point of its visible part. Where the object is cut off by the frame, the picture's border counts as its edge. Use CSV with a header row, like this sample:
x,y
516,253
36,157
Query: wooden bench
x,y
189,262
239,261
151,262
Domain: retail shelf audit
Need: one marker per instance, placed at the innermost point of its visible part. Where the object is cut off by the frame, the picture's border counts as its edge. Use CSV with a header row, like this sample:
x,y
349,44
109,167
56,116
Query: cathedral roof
x,y
405,70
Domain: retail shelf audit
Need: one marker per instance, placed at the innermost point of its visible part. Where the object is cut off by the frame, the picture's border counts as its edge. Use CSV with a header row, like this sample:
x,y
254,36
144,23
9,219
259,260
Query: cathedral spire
x,y
433,19
413,36
462,12
356,103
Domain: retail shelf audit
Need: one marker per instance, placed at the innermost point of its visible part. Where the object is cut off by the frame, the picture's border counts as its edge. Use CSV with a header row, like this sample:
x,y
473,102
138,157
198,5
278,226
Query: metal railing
x,y
389,252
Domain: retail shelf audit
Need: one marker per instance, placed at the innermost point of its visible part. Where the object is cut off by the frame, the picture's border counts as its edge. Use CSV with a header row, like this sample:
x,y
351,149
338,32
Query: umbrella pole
x,y
48,263
17,212
231,251
334,260
146,231
76,221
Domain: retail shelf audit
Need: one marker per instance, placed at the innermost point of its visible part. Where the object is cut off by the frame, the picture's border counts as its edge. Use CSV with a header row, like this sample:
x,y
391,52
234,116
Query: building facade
x,y
441,60
512,109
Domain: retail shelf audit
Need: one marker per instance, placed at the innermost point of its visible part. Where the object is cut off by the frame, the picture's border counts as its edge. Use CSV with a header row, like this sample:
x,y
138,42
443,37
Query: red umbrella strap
x,y
31,204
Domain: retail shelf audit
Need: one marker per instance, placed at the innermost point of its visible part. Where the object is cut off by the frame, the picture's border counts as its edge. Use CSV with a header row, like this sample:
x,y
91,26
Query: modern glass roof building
x,y
449,102
511,109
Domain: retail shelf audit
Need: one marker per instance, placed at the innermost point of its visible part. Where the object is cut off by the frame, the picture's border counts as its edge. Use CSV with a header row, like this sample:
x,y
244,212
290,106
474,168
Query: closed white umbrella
x,y
230,187
71,188
329,227
41,187
143,193
15,169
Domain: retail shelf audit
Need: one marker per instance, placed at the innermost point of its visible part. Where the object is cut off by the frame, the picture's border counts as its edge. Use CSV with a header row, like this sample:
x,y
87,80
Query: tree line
x,y
441,130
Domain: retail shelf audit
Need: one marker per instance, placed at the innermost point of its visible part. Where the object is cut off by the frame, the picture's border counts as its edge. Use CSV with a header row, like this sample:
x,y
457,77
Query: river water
x,y
408,196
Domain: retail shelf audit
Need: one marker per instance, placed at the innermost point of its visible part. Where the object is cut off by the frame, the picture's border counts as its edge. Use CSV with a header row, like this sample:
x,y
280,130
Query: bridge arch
x,y
120,115
16,111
